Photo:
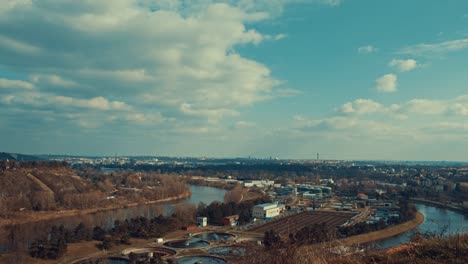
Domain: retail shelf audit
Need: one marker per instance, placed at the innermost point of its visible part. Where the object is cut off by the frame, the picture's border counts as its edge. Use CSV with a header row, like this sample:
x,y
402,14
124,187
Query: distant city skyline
x,y
351,80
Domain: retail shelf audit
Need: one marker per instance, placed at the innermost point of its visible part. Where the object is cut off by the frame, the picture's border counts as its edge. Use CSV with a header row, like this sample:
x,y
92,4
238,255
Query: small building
x,y
362,196
202,221
231,220
267,210
189,228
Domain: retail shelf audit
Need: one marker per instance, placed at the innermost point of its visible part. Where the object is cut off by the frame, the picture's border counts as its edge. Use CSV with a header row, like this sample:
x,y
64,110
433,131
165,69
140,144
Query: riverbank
x,y
34,217
384,233
441,205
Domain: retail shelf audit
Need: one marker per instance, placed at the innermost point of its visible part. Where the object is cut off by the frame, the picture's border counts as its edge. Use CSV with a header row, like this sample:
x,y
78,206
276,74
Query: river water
x,y
205,194
436,220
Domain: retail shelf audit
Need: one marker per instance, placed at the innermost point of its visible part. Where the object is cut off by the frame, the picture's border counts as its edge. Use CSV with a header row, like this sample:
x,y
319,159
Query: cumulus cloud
x,y
419,119
367,49
361,106
403,65
386,83
174,58
419,106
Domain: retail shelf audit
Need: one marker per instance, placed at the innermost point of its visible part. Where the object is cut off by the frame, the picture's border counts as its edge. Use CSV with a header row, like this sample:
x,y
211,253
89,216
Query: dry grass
x,y
437,250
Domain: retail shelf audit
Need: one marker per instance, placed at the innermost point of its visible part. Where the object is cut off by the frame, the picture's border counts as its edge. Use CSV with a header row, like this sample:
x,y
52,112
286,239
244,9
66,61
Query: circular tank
x,y
188,243
228,251
161,251
200,259
216,236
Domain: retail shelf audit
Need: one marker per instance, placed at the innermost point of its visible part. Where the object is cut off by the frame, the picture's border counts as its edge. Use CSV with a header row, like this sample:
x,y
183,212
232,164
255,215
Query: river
x,y
29,231
436,221
203,194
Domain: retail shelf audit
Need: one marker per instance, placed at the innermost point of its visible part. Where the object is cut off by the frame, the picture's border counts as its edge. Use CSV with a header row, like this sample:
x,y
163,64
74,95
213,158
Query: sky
x,y
350,79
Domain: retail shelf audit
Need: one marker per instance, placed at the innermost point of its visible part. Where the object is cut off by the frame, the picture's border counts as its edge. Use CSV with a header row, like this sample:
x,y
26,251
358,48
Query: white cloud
x,y
280,36
18,46
425,120
418,106
387,83
436,48
64,102
274,37
185,65
213,115
361,106
403,65
424,106
367,49
244,124
330,2
15,84
52,79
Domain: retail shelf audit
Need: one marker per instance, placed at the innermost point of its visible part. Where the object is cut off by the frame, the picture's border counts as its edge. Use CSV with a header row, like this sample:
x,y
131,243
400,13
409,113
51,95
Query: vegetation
x,y
56,242
45,186
435,250
217,211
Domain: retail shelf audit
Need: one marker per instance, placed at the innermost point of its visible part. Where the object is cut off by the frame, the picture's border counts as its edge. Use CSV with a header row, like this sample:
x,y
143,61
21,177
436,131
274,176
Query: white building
x,y
259,183
202,221
267,210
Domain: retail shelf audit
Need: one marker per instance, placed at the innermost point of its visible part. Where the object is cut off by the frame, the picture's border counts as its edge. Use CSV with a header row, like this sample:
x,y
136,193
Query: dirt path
x,y
41,184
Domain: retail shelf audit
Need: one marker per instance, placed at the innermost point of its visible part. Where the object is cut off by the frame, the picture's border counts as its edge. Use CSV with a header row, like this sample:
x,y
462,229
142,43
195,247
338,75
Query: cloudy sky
x,y
351,79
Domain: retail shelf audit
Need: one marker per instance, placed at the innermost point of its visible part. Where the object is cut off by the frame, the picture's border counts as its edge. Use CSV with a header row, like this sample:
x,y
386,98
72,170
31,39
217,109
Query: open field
x,y
294,223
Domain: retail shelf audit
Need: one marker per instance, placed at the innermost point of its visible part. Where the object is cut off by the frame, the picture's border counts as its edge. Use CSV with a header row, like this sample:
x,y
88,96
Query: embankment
x,y
18,234
384,233
441,205
54,215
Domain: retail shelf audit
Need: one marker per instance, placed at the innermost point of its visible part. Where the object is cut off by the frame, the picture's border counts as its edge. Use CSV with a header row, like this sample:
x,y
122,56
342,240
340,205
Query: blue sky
x,y
351,79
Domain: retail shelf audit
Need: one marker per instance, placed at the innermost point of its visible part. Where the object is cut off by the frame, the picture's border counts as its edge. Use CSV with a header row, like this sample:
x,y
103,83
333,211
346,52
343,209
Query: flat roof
x,y
266,205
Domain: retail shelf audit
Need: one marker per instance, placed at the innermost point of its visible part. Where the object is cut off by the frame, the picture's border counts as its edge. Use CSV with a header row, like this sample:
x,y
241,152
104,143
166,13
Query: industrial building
x,y
267,210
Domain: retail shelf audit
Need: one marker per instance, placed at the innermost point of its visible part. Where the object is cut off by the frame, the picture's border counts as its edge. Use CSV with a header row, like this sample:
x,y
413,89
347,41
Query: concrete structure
x,y
267,210
202,221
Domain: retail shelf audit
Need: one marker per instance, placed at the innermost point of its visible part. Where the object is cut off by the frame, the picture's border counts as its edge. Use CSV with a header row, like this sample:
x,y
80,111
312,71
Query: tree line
x,y
54,245
217,211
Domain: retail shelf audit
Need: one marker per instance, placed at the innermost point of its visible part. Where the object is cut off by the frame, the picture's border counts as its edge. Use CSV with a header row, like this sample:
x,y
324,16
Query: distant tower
x,y
318,156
